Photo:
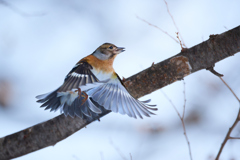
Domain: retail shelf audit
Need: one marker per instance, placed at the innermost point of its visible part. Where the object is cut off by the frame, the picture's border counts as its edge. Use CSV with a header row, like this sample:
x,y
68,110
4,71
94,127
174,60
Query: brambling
x,y
93,85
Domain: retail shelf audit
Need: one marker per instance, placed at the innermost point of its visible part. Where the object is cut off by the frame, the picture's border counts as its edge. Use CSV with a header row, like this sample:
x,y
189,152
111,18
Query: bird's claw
x,y
85,97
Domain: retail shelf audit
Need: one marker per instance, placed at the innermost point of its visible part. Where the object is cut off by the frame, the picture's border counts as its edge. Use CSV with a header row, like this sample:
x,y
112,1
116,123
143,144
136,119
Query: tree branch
x,y
228,136
201,56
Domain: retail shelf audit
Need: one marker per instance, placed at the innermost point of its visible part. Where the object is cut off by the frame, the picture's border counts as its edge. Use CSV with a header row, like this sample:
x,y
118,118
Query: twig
x,y
211,69
233,126
130,156
234,137
182,117
101,154
171,104
118,150
75,157
230,89
227,137
184,97
174,23
158,28
225,27
182,49
18,11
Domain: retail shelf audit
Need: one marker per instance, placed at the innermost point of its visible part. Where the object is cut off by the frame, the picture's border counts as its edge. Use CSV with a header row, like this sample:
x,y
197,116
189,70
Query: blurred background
x,y
41,40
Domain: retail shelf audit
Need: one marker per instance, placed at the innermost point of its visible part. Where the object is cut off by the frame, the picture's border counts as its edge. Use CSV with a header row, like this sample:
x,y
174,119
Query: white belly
x,y
101,76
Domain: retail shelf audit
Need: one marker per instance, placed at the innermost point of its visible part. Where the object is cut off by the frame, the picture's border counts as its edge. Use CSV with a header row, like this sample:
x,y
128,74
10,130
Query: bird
x,y
93,86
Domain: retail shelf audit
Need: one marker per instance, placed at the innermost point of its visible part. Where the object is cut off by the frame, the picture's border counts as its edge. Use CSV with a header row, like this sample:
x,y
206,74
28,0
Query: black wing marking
x,y
80,75
69,101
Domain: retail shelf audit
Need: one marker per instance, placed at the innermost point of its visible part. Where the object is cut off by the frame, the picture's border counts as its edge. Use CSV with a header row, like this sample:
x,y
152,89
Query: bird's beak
x,y
120,49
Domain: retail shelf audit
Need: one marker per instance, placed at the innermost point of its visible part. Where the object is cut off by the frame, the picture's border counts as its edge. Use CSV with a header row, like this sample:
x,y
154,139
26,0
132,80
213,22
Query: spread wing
x,y
80,75
115,97
68,98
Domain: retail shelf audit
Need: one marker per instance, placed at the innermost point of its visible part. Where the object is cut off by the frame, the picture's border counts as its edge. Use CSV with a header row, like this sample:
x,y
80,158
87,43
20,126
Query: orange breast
x,y
105,66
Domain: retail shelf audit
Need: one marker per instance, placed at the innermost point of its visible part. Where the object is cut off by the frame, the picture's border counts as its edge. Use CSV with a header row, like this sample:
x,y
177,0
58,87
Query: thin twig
x,y
174,23
234,137
182,117
171,104
230,89
227,137
118,150
211,69
184,97
20,12
130,156
186,137
225,27
182,120
158,28
101,154
182,49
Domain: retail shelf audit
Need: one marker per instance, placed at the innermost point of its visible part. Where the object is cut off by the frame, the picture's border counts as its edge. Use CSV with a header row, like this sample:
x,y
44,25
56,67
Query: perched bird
x,y
92,86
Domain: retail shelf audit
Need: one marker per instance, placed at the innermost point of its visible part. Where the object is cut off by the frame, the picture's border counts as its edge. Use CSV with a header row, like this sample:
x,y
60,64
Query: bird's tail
x,y
70,103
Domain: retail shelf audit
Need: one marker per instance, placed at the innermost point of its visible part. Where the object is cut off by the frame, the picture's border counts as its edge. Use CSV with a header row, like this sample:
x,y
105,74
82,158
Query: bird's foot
x,y
85,97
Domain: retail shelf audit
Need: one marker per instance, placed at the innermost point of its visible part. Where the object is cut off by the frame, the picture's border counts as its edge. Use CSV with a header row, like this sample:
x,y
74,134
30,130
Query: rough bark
x,y
201,56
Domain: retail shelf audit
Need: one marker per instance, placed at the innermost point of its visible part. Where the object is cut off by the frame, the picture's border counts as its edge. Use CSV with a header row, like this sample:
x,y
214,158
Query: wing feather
x,y
65,96
135,108
85,110
115,97
94,108
132,107
105,97
107,104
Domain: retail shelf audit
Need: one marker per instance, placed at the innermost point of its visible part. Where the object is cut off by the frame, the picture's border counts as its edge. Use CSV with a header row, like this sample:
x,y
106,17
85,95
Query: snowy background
x,y
41,40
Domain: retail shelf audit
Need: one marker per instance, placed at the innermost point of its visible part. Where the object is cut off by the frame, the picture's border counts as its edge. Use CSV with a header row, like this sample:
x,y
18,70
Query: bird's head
x,y
107,51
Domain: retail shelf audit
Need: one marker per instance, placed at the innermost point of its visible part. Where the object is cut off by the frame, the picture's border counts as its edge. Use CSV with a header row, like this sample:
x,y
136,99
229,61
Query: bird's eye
x,y
111,47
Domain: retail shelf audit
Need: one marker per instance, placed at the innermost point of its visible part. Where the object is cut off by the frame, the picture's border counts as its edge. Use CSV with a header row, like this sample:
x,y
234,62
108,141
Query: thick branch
x,y
201,56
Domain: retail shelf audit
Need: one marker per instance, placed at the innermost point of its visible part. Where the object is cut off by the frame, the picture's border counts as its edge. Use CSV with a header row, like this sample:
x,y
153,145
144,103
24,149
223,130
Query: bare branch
x,y
234,137
158,28
230,90
211,69
175,108
182,117
175,25
157,76
20,12
227,137
184,98
118,150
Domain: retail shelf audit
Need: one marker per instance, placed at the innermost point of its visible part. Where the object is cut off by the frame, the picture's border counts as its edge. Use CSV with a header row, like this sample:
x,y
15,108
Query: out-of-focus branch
x,y
181,117
228,135
182,44
18,11
165,32
156,76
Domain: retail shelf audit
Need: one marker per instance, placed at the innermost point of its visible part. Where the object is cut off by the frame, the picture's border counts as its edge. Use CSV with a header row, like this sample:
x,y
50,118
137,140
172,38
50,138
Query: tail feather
x,y
70,104
85,110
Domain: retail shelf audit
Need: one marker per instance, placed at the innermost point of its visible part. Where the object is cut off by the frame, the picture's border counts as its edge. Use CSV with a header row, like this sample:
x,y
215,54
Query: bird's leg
x,y
79,93
85,97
